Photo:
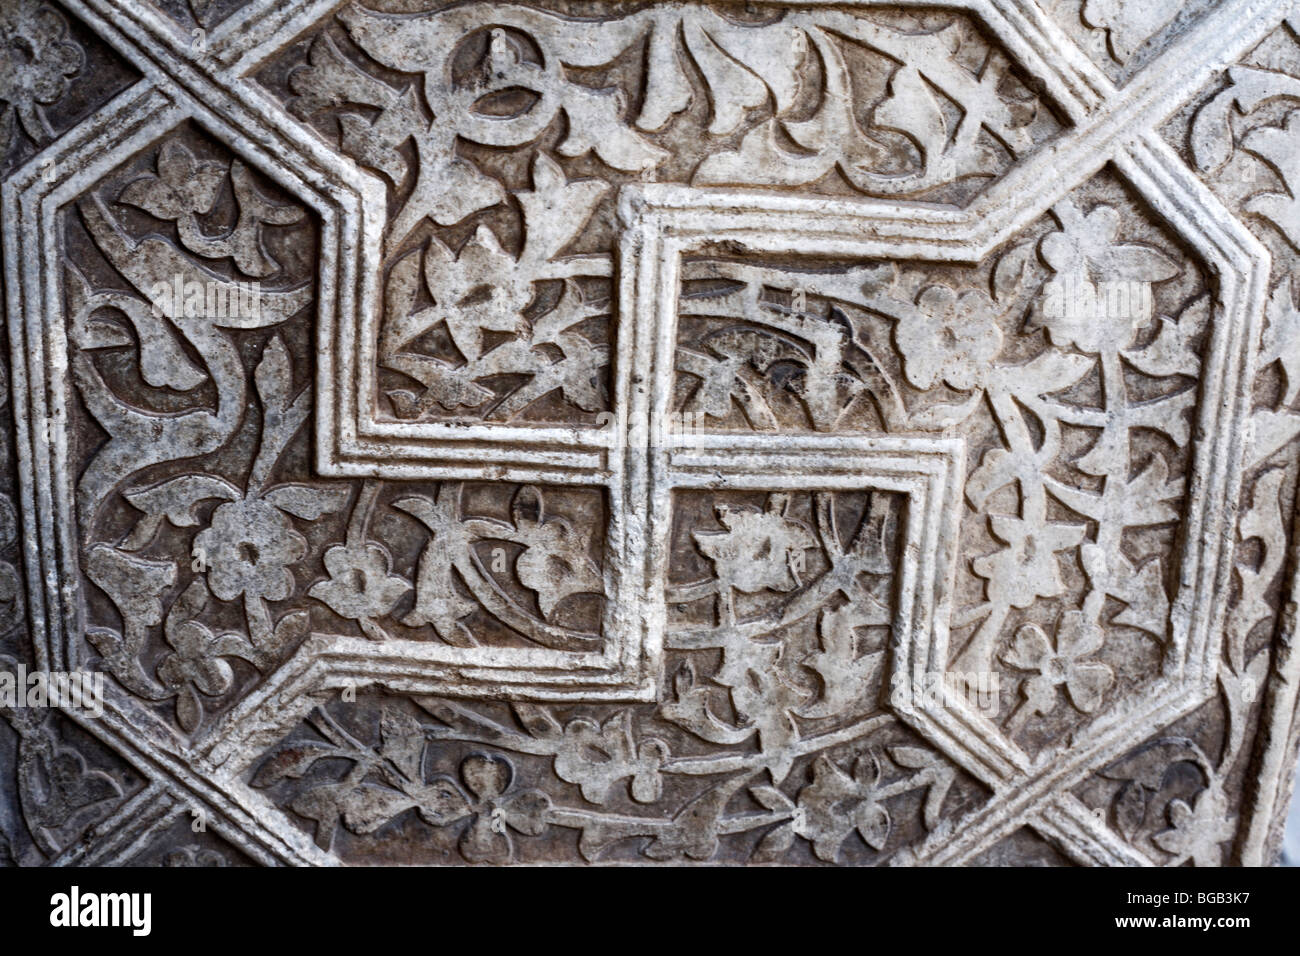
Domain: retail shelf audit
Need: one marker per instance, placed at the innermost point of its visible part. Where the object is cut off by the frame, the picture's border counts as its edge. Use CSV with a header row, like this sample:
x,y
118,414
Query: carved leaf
x,y
402,741
1174,350
177,498
1281,339
289,762
556,561
437,600
847,679
690,709
1280,147
555,210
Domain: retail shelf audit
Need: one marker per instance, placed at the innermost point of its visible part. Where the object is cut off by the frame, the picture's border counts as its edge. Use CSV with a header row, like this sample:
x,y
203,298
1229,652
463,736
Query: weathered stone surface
x,y
586,432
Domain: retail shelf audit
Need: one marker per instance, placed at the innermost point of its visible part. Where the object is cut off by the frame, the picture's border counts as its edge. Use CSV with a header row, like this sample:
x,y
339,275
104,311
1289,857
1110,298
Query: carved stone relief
x,y
588,432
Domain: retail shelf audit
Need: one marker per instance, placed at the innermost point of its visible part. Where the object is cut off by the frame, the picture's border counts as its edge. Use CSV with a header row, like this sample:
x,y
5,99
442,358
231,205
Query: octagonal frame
x,y
1103,119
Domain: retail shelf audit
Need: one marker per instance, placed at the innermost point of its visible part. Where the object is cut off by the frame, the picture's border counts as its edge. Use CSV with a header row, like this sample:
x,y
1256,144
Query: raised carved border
x,y
1108,126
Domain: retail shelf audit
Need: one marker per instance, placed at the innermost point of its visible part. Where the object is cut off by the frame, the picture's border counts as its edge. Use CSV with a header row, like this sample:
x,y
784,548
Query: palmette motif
x,y
512,433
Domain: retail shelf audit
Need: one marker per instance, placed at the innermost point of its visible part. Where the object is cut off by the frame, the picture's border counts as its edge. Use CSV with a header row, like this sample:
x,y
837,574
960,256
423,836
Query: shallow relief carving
x,y
637,502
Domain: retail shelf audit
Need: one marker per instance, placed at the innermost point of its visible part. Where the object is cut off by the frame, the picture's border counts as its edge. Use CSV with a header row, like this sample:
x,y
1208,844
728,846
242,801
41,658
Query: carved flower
x,y
1088,250
360,585
759,549
196,665
556,561
1027,569
182,186
1062,665
487,839
479,290
38,64
194,662
248,548
835,804
950,339
193,855
618,755
1197,831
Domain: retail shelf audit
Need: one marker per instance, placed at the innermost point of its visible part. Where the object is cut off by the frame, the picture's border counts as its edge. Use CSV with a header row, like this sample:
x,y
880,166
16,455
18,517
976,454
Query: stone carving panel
x,y
1122,39
55,73
591,433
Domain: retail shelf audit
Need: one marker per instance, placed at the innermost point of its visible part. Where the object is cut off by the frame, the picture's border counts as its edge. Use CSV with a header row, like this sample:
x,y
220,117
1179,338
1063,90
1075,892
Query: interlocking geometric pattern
x,y
804,433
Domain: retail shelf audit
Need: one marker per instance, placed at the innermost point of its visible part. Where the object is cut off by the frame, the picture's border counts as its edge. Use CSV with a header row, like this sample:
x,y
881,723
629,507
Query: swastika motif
x,y
589,432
